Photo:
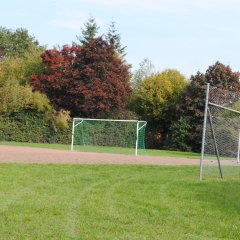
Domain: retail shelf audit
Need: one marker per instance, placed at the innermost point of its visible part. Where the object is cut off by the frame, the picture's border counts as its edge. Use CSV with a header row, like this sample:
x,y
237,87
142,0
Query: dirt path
x,y
44,156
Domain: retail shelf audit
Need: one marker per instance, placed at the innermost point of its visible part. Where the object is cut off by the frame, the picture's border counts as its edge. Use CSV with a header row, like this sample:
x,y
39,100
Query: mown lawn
x,y
116,202
150,152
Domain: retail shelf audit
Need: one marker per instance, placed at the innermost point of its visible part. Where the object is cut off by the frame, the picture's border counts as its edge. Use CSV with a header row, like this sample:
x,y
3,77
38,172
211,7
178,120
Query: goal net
x,y
221,134
107,135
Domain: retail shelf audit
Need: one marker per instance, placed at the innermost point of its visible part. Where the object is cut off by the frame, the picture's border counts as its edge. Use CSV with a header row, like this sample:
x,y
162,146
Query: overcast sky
x,y
186,35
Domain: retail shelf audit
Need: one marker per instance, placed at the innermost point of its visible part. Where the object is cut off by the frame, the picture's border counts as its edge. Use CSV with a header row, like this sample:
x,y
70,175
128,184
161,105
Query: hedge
x,y
29,126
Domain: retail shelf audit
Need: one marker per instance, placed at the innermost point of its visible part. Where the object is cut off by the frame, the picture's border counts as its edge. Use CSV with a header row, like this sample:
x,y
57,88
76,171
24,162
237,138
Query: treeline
x,y
42,89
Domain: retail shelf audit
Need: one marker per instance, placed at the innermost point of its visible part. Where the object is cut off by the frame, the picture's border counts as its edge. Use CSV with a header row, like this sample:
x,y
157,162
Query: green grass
x,y
150,152
116,202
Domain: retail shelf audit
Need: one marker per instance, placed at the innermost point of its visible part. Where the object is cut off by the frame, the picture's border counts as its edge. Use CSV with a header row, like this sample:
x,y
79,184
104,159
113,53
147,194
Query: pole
x,y
72,134
204,131
215,143
238,160
136,147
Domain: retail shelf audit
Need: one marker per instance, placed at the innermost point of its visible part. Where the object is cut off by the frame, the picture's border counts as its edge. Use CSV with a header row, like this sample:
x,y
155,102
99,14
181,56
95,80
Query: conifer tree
x,y
114,38
89,31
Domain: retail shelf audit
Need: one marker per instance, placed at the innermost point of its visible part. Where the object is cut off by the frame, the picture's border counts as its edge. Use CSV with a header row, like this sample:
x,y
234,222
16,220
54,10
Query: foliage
x,y
15,98
180,134
193,100
87,80
158,94
31,126
114,38
60,119
15,91
15,43
123,114
223,77
89,32
146,69
21,108
155,99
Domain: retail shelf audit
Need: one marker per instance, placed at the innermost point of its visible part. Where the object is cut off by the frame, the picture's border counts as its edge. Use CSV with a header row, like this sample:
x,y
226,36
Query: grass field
x,y
150,152
115,202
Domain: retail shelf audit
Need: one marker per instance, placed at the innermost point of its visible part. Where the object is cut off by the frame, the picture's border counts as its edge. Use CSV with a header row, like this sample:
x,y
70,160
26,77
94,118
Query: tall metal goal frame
x,y
219,100
139,126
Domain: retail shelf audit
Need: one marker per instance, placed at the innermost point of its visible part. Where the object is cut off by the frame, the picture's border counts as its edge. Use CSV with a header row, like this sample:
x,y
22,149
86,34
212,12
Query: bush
x,y
180,135
29,126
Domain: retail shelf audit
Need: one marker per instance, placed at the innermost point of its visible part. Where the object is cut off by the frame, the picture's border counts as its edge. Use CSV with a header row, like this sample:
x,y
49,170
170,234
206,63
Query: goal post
x,y
221,135
108,135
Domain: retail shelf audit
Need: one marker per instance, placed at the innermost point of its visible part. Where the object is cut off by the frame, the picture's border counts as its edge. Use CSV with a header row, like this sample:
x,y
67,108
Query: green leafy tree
x,y
16,43
89,31
155,100
114,38
15,91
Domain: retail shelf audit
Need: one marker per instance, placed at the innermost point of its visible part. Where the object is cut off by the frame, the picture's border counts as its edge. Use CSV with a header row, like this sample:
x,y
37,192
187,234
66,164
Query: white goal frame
x,y
80,120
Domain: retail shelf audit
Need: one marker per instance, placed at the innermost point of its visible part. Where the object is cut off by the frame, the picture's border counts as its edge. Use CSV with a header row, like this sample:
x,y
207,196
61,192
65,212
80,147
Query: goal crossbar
x,y
109,120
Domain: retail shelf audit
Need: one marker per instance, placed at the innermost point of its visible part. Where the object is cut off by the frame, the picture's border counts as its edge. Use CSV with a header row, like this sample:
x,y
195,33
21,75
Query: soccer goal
x,y
221,133
108,135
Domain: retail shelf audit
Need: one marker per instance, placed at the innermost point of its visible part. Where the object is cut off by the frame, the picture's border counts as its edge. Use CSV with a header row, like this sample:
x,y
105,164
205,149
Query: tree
x,y
114,38
155,100
192,103
223,77
146,69
16,43
88,80
89,32
15,92
16,95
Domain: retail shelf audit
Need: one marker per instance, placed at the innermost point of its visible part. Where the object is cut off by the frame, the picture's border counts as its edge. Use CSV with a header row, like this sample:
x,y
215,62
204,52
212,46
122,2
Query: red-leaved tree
x,y
89,80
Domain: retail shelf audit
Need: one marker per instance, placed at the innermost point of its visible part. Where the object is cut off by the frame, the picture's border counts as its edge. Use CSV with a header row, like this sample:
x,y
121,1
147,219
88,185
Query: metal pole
x,y
136,148
204,131
215,143
238,161
72,134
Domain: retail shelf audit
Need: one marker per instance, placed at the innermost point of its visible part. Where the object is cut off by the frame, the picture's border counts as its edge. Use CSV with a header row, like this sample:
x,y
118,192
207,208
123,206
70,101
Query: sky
x,y
186,35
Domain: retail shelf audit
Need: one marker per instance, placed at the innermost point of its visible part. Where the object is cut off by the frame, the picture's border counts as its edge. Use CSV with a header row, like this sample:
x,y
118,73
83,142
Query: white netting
x,y
222,132
113,136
